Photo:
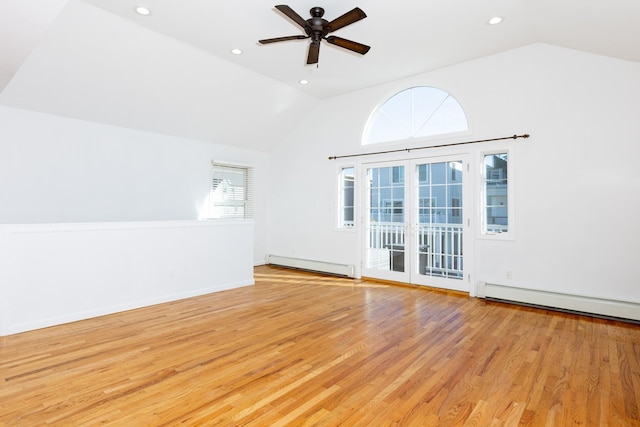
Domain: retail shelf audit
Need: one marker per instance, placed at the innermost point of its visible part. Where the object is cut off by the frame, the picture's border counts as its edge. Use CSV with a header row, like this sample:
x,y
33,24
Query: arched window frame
x,y
420,124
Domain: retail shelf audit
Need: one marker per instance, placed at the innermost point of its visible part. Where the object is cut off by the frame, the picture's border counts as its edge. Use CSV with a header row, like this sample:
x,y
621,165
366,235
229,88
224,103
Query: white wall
x,y
58,273
576,179
59,170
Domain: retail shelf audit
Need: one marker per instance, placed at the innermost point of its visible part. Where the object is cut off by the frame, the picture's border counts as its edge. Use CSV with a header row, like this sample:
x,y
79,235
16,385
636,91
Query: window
x,y
456,204
231,191
415,113
347,197
496,194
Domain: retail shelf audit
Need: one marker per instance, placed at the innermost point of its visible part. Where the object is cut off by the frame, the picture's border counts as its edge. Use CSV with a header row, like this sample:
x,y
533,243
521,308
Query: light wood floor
x,y
303,349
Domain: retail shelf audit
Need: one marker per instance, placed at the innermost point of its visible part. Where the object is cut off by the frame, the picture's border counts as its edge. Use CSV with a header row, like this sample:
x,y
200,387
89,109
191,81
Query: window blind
x,y
231,191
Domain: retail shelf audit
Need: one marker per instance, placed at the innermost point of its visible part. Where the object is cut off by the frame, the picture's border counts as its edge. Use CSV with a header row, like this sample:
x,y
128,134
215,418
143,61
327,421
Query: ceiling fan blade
x,y
346,19
348,44
282,39
291,14
314,53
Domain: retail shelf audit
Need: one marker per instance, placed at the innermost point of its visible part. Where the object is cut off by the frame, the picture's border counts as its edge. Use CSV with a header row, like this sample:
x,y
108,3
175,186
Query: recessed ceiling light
x,y
236,51
304,82
495,20
142,10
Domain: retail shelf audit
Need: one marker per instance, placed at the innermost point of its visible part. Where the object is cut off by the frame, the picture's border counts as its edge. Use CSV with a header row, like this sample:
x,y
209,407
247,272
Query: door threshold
x,y
413,286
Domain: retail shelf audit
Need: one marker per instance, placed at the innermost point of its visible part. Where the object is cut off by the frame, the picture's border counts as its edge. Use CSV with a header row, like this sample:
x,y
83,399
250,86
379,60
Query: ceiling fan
x,y
317,29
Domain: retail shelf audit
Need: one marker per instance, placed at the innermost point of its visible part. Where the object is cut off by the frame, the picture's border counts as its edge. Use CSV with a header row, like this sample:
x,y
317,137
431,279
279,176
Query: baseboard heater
x,y
335,269
607,308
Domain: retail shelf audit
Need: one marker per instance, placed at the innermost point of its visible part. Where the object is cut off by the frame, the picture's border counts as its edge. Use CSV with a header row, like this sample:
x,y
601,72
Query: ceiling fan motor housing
x,y
317,27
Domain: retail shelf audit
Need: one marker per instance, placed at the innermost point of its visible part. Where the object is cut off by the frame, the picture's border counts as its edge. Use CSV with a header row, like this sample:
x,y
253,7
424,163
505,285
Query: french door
x,y
416,222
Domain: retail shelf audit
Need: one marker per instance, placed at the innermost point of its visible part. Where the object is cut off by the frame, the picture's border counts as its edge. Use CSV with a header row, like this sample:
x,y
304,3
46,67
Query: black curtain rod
x,y
526,135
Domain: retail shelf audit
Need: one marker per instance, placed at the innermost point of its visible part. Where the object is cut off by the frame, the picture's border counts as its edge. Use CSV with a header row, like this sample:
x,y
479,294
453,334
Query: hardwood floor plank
x,y
305,349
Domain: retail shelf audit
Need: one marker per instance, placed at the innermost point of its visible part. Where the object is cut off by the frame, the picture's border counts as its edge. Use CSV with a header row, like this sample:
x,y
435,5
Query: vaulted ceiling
x,y
172,71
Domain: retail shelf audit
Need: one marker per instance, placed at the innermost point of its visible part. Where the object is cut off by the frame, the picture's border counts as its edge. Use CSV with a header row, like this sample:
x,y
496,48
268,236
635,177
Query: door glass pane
x,y
439,229
386,235
423,173
439,173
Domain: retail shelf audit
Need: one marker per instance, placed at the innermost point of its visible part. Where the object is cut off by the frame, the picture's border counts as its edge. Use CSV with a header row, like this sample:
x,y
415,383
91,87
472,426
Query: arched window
x,y
416,112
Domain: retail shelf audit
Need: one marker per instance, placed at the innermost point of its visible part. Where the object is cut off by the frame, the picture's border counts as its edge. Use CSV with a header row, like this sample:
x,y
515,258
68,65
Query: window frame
x,y
413,133
511,218
340,194
246,203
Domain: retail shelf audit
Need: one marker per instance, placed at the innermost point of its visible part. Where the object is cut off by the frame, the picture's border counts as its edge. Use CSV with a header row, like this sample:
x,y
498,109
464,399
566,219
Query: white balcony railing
x,y
438,247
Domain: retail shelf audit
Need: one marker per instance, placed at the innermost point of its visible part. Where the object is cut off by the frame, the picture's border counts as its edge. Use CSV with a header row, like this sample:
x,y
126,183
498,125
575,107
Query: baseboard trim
x,y
601,307
336,269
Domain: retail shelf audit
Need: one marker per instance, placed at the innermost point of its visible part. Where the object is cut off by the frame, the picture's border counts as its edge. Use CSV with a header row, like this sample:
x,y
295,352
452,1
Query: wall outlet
x,y
509,274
